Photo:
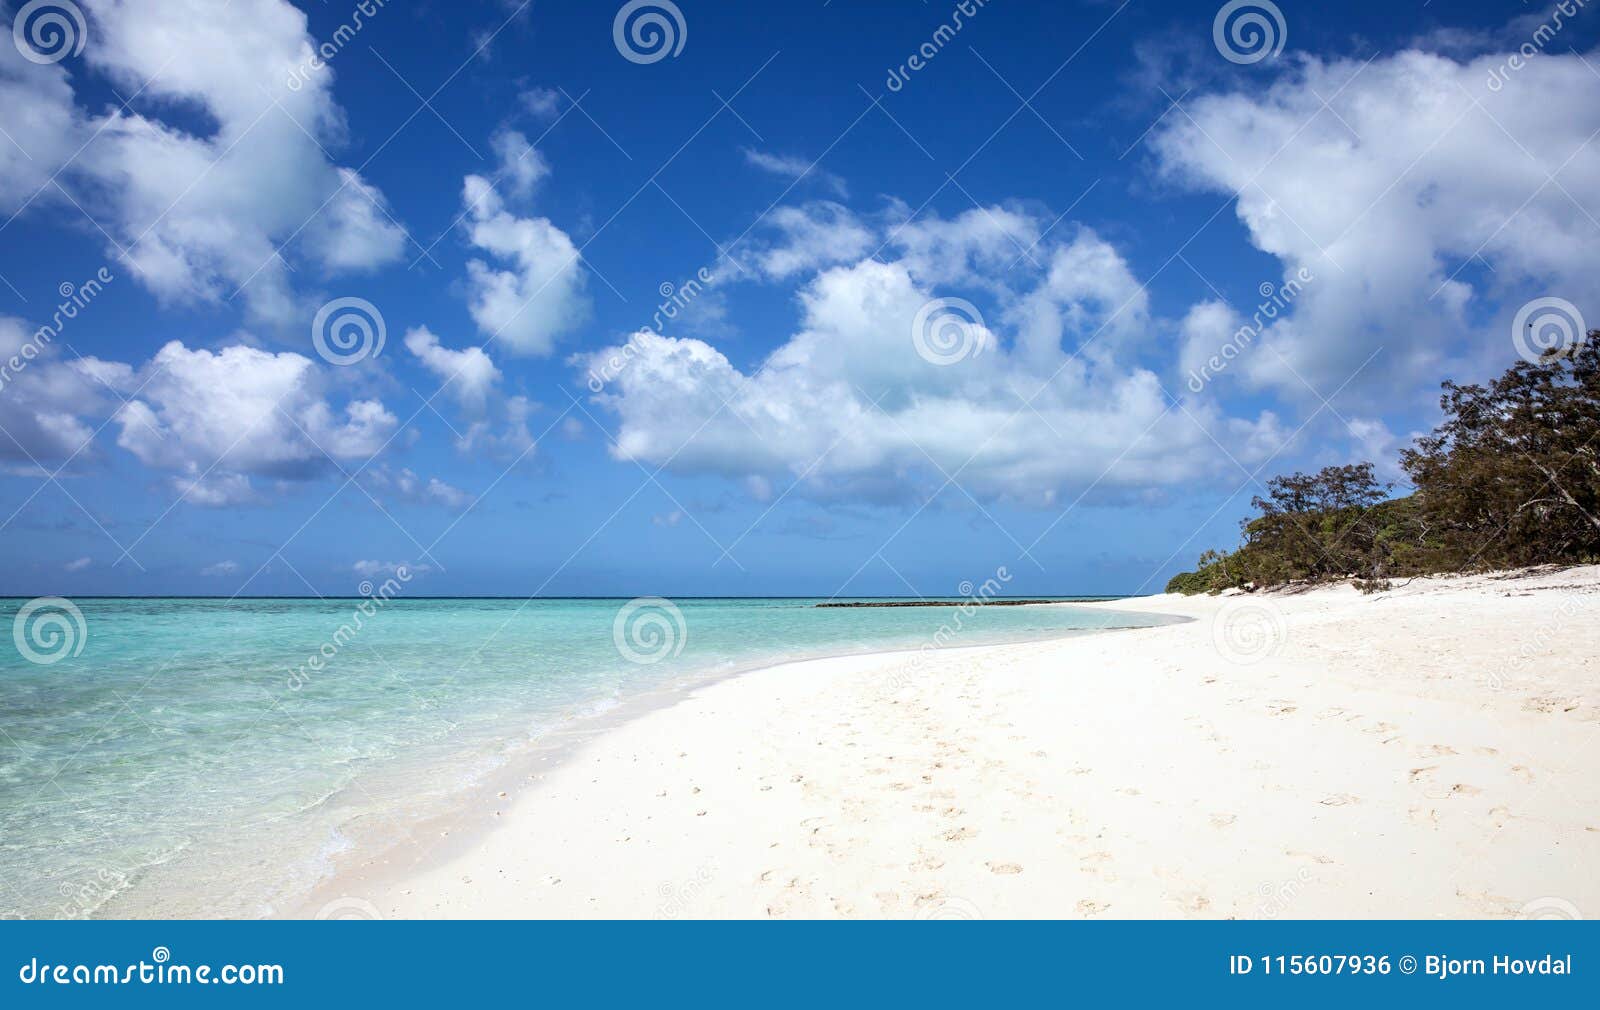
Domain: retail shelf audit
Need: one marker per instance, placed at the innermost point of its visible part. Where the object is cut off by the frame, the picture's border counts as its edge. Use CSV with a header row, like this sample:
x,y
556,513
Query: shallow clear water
x,y
193,759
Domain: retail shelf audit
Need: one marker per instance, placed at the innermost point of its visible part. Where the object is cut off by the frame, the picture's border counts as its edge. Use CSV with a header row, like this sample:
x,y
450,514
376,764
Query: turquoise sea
x,y
214,757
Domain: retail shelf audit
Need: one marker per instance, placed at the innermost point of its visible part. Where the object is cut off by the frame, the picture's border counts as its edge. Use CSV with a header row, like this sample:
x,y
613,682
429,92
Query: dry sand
x,y
1426,752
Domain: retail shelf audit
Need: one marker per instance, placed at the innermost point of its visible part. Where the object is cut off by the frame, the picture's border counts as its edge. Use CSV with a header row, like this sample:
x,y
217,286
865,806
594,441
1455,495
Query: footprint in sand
x,y
1196,903
1462,789
1425,816
1223,820
1500,816
960,834
1088,908
1338,800
1004,869
1522,772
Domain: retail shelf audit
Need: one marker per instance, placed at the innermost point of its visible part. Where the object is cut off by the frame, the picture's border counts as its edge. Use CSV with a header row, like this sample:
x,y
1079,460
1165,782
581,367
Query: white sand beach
x,y
1432,751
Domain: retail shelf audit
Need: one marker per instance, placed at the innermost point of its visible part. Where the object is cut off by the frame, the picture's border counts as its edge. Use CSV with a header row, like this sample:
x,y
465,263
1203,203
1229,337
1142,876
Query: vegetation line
x,y
1508,479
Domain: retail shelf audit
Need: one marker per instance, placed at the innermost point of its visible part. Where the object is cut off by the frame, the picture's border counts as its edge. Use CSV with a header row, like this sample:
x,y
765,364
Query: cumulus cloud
x,y
1427,203
217,418
806,238
468,374
77,565
42,398
848,406
197,206
979,245
497,424
522,167
540,295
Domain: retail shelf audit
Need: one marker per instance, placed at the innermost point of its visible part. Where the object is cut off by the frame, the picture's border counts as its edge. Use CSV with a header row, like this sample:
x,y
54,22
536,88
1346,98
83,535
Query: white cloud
x,y
529,307
796,169
220,568
77,565
498,424
1386,198
408,487
543,104
1374,442
514,441
522,167
810,237
42,399
201,209
37,112
979,245
469,374
215,489
372,569
218,418
847,406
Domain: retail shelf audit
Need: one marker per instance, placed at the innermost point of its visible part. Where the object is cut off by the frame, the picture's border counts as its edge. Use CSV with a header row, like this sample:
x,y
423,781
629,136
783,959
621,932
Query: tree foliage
x,y
1509,478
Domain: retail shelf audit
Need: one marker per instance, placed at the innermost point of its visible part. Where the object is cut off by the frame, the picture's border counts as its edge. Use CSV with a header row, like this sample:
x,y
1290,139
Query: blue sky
x,y
949,323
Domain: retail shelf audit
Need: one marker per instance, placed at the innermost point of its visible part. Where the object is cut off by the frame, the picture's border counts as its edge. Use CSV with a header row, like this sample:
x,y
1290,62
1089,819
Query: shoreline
x,y
388,854
1019,792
